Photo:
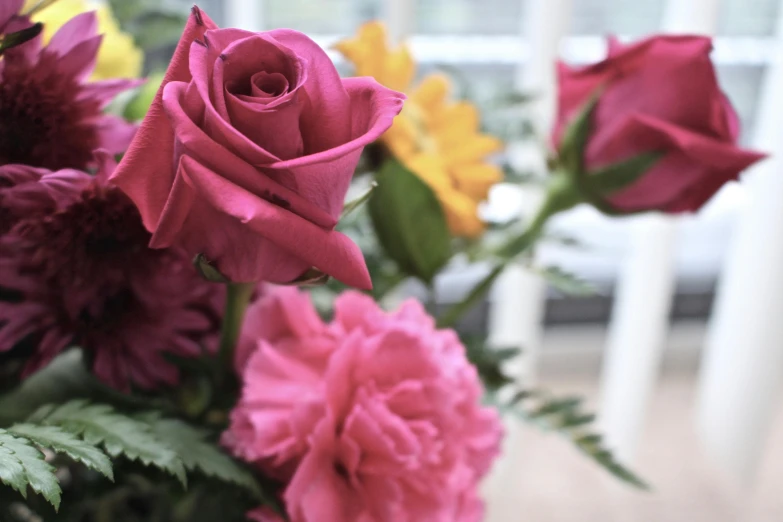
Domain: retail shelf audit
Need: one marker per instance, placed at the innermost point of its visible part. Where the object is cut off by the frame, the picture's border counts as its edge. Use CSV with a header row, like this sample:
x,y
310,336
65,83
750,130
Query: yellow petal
x,y
456,122
400,69
401,138
461,214
430,169
476,179
460,210
431,93
473,150
371,55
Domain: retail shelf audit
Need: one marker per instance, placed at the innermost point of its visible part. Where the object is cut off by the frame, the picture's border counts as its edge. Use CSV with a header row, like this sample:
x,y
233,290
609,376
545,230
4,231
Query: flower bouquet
x,y
178,339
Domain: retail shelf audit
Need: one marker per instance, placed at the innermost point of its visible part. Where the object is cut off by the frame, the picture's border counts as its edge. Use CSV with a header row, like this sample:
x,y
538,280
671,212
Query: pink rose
x,y
658,95
374,417
247,152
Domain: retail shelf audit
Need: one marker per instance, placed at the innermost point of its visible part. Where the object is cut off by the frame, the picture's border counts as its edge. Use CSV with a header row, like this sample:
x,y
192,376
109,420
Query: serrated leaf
x,y
63,379
564,416
60,441
409,222
117,433
198,454
566,282
23,465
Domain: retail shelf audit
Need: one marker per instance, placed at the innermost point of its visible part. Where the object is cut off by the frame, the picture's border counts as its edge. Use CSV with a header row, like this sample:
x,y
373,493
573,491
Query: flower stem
x,y
237,299
561,196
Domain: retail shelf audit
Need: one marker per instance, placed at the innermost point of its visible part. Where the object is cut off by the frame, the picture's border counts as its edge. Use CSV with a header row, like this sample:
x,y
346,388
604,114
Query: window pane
x,y
468,16
748,17
622,17
323,16
742,83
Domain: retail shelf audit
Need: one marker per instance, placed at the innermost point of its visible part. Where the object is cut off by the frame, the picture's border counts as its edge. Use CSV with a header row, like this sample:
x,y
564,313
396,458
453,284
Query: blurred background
x,y
679,347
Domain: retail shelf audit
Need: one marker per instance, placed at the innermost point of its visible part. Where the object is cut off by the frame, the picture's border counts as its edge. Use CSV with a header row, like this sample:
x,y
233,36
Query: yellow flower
x,y
118,56
438,139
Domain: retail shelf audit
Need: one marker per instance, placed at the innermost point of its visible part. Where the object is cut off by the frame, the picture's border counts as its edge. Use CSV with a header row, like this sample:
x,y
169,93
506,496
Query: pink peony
x,y
75,263
374,417
248,150
50,115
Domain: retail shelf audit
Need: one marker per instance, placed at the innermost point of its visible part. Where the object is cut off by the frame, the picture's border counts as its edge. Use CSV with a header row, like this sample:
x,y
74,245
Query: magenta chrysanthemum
x,y
78,271
50,116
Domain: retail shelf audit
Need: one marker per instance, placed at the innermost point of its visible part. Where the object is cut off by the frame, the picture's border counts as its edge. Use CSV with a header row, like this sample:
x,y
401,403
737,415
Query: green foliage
x,y
572,146
22,465
78,430
18,38
566,282
61,441
63,379
198,455
354,204
564,415
138,106
409,222
489,361
100,424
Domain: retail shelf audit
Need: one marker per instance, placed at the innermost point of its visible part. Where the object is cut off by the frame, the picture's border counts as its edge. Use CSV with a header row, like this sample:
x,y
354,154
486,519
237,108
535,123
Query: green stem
x,y
237,299
561,195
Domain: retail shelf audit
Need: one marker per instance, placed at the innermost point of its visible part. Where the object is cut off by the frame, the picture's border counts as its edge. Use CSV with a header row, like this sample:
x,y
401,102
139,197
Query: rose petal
x,y
246,220
152,149
691,160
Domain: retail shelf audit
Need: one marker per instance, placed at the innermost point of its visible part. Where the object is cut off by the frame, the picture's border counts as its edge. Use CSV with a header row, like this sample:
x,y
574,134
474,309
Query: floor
x,y
543,479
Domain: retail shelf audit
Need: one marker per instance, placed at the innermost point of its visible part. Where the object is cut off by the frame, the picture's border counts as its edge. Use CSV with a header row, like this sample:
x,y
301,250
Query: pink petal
x,y
115,134
79,61
324,177
153,146
9,8
248,219
81,27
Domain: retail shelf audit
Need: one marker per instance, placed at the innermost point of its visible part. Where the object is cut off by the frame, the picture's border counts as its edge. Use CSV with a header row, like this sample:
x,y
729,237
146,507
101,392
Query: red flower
x,y
76,271
658,95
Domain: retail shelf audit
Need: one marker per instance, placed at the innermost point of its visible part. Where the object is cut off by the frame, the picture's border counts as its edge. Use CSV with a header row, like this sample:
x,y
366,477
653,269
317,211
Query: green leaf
x,y
565,282
356,203
22,466
207,271
456,311
18,38
138,106
198,454
617,176
118,433
488,362
61,441
63,379
564,415
409,222
572,146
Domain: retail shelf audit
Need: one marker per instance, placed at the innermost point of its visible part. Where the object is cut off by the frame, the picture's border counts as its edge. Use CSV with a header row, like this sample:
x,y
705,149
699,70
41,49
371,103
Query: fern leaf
x,y
565,416
198,454
119,434
23,465
60,441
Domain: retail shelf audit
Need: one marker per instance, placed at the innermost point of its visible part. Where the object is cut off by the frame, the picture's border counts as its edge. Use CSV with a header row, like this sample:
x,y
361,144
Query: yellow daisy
x,y
118,56
438,139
